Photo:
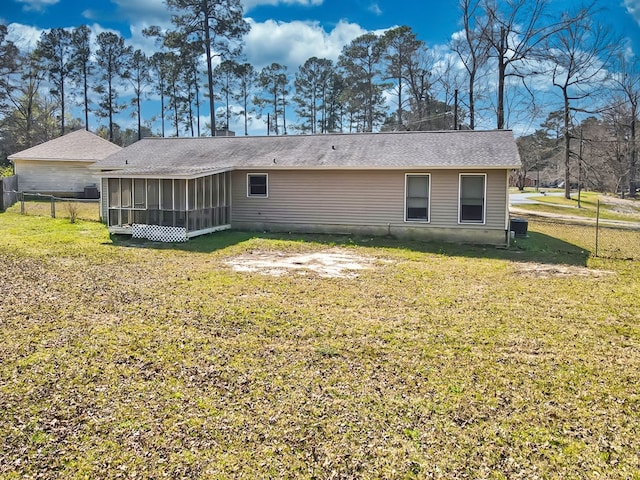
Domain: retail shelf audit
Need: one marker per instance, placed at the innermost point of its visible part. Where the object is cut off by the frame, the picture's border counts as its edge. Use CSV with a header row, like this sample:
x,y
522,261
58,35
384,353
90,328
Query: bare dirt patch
x,y
327,263
622,205
541,270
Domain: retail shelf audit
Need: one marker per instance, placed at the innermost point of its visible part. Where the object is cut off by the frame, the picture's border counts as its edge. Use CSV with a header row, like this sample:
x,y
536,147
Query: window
x,y
179,195
191,198
207,192
215,191
139,193
114,192
472,198
257,185
167,195
125,189
153,194
201,203
227,188
417,197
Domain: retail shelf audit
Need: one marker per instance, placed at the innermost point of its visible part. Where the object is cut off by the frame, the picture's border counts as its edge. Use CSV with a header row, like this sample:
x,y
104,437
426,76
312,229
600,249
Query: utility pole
x,y
455,109
580,169
538,169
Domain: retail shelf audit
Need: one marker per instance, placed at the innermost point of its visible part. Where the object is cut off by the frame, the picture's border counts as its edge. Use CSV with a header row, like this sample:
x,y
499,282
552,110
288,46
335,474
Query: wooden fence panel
x,y
8,192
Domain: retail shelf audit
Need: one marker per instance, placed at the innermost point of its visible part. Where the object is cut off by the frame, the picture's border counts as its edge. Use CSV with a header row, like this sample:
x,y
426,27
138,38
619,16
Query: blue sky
x,y
284,31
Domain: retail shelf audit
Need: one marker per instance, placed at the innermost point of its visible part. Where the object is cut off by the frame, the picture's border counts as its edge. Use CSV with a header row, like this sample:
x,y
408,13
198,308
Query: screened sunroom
x,y
182,207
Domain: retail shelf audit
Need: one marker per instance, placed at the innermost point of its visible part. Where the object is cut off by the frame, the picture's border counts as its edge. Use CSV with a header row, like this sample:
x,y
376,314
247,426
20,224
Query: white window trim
x,y
417,220
266,175
484,203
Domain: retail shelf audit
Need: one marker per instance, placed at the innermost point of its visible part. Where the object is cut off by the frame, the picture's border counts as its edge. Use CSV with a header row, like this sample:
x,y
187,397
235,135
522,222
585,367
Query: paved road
x,y
525,198
517,200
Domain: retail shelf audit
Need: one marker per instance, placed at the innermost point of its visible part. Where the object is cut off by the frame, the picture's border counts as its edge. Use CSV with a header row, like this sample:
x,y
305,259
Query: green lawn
x,y
125,359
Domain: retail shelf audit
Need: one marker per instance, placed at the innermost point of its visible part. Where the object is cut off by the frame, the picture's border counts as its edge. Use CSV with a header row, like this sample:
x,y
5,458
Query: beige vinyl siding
x,y
321,197
357,198
54,176
497,199
445,195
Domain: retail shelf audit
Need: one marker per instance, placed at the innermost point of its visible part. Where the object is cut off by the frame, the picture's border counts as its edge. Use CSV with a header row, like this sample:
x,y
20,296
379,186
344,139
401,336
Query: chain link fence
x,y
604,240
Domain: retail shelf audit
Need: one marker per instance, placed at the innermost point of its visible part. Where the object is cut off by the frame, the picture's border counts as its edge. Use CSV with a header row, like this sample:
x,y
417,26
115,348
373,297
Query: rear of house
x,y
415,203
431,185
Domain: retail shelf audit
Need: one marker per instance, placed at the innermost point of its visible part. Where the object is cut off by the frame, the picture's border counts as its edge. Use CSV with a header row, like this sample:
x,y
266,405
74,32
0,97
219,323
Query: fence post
x,y
53,207
597,224
21,203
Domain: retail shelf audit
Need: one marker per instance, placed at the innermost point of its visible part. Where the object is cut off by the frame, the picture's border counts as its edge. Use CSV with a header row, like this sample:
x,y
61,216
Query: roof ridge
x,y
332,134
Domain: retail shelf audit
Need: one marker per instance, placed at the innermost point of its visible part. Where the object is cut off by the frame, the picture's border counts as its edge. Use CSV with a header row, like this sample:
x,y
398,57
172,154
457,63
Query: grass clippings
x,y
120,362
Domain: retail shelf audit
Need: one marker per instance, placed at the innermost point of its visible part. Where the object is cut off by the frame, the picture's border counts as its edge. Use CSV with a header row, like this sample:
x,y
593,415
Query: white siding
x,y
104,200
55,176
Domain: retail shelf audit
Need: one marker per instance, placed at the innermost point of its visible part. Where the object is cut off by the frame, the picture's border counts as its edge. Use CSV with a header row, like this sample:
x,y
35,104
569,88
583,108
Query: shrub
x,y
72,209
6,171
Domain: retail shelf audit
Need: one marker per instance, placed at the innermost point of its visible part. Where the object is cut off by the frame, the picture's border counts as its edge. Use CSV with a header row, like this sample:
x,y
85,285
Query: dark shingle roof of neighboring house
x,y
442,149
80,145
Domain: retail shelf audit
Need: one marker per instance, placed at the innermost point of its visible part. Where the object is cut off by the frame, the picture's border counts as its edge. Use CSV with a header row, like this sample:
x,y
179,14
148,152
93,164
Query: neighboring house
x,y
516,179
448,185
61,166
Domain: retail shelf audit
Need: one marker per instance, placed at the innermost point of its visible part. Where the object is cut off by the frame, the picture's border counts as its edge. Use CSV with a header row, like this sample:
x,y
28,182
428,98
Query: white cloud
x,y
148,12
375,9
25,37
37,5
139,15
292,43
138,41
633,7
249,4
288,43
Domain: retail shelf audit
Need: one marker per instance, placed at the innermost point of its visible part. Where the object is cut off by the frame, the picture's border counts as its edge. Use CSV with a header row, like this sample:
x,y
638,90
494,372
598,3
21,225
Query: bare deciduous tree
x,y
471,49
578,55
627,80
515,34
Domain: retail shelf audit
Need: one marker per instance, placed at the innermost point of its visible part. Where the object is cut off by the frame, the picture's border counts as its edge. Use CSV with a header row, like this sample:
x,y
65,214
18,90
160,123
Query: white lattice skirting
x,y
159,233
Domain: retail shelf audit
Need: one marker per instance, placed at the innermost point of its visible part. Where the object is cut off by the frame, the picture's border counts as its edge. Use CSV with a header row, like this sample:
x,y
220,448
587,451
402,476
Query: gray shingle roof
x,y
442,149
79,146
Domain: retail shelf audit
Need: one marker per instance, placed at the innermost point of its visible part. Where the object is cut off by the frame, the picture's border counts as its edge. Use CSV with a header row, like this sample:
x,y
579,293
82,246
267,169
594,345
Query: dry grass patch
x,y
542,270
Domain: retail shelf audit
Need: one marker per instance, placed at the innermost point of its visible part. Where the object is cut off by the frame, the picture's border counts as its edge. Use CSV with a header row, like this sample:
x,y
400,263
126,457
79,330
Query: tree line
x,y
499,71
